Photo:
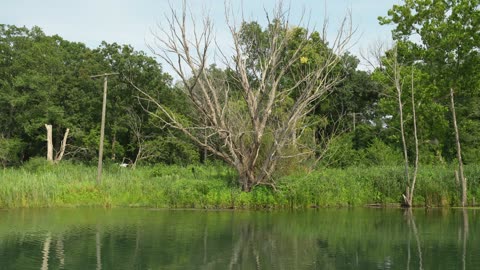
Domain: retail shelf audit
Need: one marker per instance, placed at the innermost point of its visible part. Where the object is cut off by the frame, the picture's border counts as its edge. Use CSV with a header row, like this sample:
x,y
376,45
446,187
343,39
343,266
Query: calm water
x,y
315,239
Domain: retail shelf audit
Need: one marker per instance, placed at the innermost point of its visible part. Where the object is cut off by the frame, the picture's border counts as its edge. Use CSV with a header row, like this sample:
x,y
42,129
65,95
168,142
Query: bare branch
x,y
248,116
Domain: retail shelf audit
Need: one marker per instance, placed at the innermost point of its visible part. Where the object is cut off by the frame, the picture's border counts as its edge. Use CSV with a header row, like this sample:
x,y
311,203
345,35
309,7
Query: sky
x,y
132,21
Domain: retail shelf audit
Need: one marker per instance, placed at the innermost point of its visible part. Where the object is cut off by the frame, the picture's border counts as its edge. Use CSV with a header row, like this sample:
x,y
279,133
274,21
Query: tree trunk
x,y
59,156
114,141
205,153
49,143
246,179
402,133
415,135
398,87
459,151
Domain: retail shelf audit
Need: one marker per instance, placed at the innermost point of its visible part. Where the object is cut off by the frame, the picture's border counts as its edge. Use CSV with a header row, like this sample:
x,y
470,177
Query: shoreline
x,y
214,187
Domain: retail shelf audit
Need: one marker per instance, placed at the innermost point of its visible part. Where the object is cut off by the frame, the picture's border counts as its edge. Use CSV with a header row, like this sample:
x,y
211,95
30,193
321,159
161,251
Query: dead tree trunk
x,y
60,154
459,150
399,91
49,143
415,135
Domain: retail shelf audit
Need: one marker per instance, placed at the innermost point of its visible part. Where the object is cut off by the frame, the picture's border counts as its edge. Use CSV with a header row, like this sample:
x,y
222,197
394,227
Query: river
x,y
358,238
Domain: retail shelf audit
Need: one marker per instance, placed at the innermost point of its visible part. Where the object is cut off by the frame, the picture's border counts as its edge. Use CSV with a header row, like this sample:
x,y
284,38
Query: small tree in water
x,y
254,113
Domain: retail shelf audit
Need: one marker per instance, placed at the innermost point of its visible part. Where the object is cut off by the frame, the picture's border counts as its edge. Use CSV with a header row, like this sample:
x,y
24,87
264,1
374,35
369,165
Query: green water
x,y
183,239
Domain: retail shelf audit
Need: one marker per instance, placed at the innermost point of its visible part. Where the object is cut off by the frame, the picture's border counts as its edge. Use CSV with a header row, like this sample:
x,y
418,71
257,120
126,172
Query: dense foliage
x,y
47,80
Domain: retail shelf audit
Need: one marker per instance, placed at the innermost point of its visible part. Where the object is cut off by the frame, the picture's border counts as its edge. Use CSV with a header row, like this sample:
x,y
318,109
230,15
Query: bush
x,y
10,151
36,165
340,153
380,154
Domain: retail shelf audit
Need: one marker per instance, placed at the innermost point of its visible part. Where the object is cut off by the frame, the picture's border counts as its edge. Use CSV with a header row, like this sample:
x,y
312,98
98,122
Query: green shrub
x,y
10,151
380,154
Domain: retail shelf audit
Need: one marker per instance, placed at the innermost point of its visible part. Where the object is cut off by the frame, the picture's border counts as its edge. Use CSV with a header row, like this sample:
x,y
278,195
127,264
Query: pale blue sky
x,y
130,21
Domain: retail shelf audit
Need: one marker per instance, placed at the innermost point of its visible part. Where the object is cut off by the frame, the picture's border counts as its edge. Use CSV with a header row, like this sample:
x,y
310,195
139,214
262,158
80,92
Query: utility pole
x,y
102,127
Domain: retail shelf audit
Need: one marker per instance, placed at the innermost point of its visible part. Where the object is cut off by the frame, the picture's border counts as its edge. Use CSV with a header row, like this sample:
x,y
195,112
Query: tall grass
x,y
38,184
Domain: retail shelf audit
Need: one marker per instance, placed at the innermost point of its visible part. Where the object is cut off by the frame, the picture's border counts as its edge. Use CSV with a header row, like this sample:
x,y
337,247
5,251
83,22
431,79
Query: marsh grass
x,y
38,184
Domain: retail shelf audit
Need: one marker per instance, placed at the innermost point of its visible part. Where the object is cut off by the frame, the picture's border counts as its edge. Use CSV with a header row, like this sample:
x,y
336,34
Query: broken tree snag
x,y
459,150
59,156
49,143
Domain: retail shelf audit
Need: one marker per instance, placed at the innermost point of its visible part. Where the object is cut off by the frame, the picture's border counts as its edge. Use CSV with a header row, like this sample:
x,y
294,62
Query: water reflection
x,y
413,229
46,251
465,237
98,246
60,252
318,239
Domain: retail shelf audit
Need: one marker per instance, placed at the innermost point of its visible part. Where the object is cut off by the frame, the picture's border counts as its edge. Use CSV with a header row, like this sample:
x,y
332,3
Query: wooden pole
x,y
102,131
102,126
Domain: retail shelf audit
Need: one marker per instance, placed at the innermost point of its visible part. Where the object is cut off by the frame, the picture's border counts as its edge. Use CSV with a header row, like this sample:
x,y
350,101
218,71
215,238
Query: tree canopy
x,y
284,99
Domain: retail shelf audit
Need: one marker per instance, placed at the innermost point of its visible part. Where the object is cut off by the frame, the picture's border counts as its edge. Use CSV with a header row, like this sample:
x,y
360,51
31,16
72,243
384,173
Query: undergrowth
x,y
38,184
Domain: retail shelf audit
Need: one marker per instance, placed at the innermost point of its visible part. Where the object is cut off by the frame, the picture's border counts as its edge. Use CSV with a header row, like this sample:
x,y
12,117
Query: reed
x,y
38,184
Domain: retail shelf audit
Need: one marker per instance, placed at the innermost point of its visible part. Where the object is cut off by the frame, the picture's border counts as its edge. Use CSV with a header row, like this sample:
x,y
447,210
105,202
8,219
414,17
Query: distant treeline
x,y
47,80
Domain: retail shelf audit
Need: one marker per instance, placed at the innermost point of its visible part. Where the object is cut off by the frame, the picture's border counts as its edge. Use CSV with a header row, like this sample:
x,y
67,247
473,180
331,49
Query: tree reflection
x,y
413,228
326,239
60,252
46,251
98,245
465,237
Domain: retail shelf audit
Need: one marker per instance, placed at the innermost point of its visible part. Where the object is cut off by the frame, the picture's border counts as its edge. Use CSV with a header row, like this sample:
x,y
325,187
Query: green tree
x,y
349,103
46,80
449,34
133,132
36,83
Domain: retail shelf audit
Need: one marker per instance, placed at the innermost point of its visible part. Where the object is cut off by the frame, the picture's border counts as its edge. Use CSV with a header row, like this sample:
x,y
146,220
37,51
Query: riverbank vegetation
x,y
39,184
289,119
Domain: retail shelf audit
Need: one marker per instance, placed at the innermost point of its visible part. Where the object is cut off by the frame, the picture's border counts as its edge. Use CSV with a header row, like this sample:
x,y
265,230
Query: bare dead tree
x,y
398,82
409,196
398,79
393,70
248,122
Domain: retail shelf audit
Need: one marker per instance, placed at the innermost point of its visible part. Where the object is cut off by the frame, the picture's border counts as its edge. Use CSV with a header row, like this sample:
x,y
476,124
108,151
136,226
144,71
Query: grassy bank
x,y
68,185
